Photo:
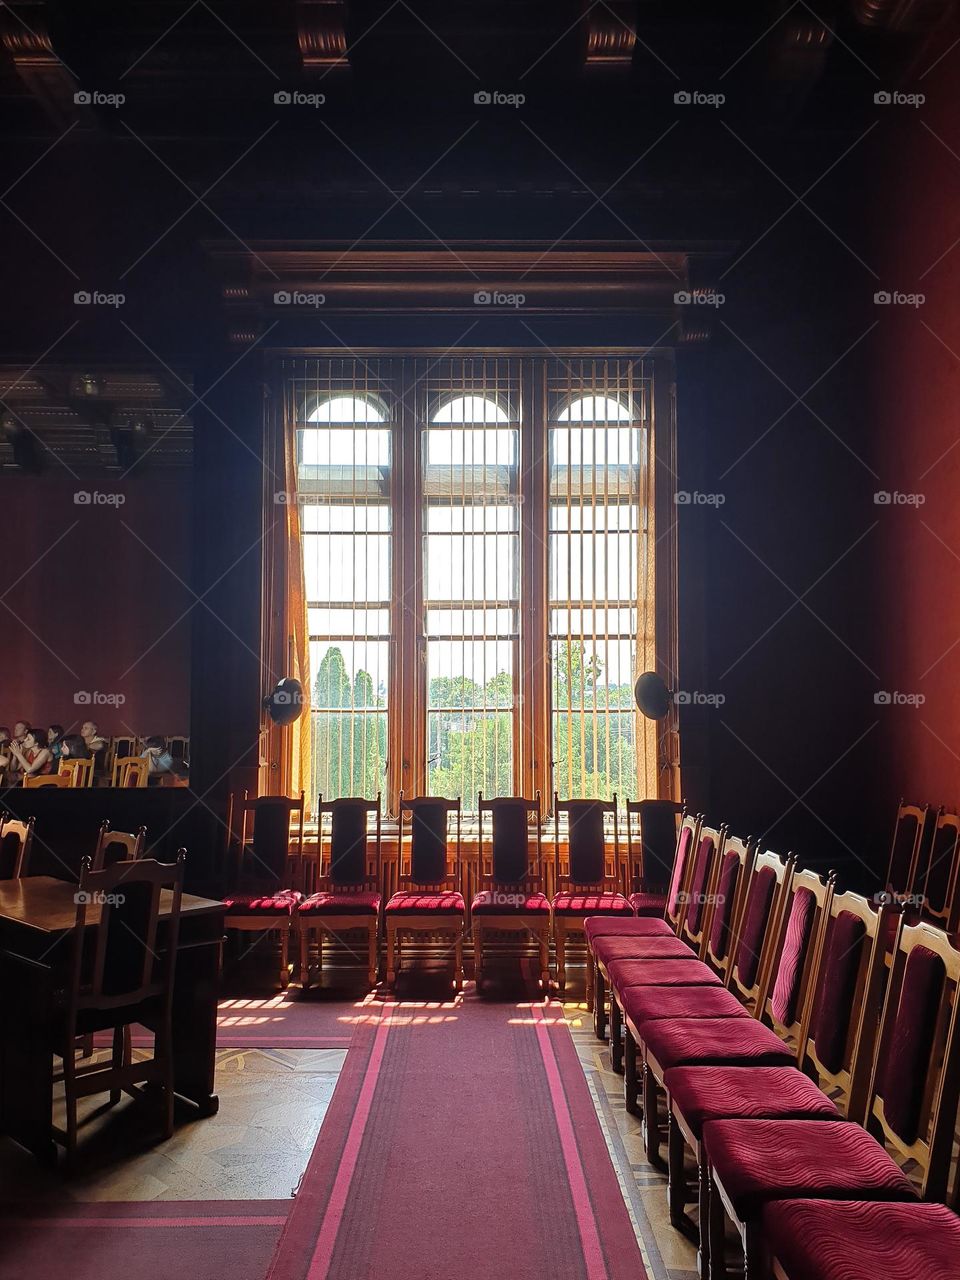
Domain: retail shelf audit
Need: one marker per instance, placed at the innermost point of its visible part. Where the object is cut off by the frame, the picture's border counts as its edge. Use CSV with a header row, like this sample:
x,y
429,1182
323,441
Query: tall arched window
x,y
471,595
346,522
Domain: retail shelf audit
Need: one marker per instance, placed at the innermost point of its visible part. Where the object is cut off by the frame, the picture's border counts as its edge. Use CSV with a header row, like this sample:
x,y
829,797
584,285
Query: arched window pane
x,y
595,409
470,409
346,409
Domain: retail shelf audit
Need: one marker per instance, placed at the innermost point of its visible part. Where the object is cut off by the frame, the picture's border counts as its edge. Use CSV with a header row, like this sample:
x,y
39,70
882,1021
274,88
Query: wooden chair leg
x,y
589,981
652,1136
118,1060
599,1001
164,1045
616,1036
70,1098
545,961
391,953
676,1181
303,937
458,962
703,1216
477,954
284,957
560,942
755,1263
372,957
717,1220
631,1091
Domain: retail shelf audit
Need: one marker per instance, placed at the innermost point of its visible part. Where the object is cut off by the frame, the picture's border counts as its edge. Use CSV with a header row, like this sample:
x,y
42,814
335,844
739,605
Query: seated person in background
x,y
159,760
36,756
54,739
73,747
20,730
91,736
6,755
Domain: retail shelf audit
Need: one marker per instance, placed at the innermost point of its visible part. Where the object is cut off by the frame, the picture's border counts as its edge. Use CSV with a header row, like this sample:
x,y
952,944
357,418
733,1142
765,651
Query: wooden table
x,y
37,915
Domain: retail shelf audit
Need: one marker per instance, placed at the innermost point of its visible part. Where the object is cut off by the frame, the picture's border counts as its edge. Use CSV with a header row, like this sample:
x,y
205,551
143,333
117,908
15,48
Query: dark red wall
x,y
916,407
88,608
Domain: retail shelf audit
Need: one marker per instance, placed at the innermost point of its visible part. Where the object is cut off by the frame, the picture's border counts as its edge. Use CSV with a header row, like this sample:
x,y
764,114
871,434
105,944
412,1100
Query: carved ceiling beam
x,y
611,31
26,38
322,34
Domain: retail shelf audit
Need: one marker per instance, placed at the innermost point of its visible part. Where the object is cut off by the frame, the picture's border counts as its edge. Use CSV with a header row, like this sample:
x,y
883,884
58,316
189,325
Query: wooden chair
x,y
597,927
651,848
46,780
119,747
697,899
591,885
122,974
430,905
78,771
510,899
909,1114
16,845
130,771
117,846
349,883
262,901
941,884
908,837
845,983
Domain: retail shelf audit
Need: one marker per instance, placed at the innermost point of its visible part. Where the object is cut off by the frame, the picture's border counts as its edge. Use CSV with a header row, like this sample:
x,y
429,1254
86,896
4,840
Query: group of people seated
x,y
29,751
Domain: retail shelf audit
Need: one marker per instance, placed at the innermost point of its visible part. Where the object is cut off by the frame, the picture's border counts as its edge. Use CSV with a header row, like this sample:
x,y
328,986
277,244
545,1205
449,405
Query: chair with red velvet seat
x,y
860,1240
706,1038
651,848
839,1011
596,927
16,845
757,937
903,867
910,1112
941,884
511,898
262,900
429,904
348,880
592,884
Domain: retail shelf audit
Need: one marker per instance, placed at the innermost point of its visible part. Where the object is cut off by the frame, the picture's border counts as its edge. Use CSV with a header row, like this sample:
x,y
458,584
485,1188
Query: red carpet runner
x,y
461,1141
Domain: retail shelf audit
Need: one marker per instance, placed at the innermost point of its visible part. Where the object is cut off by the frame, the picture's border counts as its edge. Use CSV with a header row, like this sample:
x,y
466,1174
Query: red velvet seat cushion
x,y
625,927
505,902
744,1093
639,947
643,1004
660,973
253,904
648,904
761,1160
863,1240
715,1042
590,904
408,903
340,904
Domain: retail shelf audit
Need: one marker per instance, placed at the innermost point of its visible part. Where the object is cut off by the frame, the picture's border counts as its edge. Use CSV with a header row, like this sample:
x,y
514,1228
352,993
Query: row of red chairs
x,y
810,1069
508,909
923,872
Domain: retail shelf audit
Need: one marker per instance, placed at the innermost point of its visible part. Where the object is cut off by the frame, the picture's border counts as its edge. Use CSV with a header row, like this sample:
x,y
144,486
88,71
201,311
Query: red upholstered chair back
x,y
587,858
701,890
266,842
756,940
908,834
915,1081
16,843
349,863
682,868
651,843
792,979
941,884
842,1021
425,853
733,879
510,860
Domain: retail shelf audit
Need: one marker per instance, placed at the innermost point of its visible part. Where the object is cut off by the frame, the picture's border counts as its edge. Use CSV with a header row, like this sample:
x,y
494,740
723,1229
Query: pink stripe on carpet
x,y
320,1262
586,1222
